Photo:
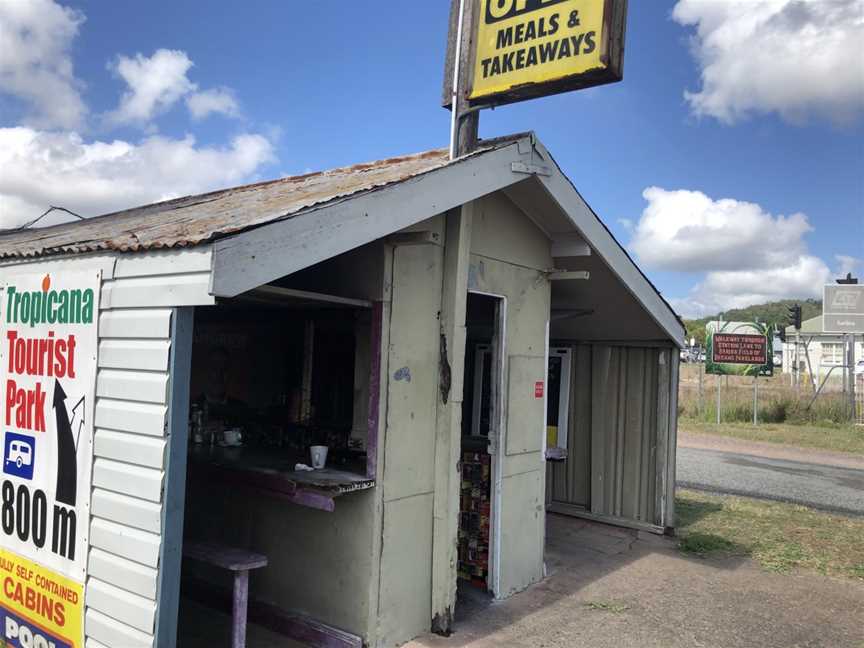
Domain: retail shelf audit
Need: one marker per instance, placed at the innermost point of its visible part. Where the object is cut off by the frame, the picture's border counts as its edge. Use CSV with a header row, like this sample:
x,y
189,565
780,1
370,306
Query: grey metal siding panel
x,y
570,481
613,433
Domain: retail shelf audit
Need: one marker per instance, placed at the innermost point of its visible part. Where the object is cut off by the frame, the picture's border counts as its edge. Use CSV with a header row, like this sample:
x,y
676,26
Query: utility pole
x,y
464,120
850,375
849,356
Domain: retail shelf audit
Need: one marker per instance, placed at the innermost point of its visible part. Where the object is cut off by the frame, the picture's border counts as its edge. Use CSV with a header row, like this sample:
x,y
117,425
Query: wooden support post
x,y
308,359
457,248
238,609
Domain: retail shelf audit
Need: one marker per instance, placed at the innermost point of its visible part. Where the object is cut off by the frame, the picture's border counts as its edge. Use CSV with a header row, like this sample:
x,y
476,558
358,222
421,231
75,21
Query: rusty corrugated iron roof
x,y
195,219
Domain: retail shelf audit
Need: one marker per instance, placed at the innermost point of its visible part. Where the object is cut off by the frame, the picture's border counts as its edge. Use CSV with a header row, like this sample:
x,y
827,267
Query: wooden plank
x,y
290,293
163,262
111,632
126,416
132,576
92,643
569,275
424,237
131,385
167,290
135,323
131,448
563,508
120,605
174,501
123,509
258,256
119,477
146,355
134,544
230,558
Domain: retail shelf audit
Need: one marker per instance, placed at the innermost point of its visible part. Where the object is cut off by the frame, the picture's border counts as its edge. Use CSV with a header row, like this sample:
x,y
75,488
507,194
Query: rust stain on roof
x,y
196,219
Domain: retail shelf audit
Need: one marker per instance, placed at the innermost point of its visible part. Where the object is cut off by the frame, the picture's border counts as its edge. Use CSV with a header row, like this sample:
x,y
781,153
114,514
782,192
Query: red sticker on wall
x,y
538,389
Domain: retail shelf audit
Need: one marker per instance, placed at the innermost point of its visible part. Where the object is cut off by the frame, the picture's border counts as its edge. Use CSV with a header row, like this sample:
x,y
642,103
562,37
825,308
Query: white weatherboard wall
x,y
139,291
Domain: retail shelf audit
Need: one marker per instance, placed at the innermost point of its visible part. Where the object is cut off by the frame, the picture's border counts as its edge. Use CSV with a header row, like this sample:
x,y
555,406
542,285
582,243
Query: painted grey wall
x,y
509,257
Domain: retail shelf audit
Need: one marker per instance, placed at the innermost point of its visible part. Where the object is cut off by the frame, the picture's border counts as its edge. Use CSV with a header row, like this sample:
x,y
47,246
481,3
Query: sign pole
x,y
797,362
701,388
755,398
464,121
851,375
718,399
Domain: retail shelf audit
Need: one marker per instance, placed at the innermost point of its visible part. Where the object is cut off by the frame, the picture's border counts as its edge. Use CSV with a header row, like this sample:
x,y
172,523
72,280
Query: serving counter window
x,y
275,405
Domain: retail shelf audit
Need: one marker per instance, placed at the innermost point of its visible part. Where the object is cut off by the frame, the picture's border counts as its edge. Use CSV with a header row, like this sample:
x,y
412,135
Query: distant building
x,y
825,349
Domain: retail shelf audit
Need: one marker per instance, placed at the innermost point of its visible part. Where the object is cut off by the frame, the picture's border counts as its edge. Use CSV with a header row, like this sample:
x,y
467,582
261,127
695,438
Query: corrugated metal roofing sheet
x,y
196,219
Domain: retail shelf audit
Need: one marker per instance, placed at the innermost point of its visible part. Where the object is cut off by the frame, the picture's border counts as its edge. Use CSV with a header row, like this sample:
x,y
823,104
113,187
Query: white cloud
x,y
794,57
158,82
747,255
846,264
720,291
35,65
688,231
155,84
92,178
46,161
215,100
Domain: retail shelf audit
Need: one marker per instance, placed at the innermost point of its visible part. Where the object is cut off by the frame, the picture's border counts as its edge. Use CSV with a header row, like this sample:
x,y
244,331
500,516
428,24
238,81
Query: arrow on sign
x,y
67,464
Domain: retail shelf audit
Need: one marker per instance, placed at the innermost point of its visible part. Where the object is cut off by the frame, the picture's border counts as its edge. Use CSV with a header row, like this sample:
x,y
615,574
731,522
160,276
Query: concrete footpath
x,y
616,588
819,479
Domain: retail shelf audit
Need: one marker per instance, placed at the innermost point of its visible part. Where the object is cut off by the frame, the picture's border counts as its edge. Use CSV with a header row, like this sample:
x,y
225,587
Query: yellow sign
x,y
38,606
528,48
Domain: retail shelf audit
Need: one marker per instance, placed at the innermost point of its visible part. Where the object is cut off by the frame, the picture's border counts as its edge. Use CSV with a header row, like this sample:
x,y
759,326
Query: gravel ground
x,y
612,588
826,487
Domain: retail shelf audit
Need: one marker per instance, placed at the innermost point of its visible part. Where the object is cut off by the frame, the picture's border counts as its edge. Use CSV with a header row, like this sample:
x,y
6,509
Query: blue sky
x,y
756,178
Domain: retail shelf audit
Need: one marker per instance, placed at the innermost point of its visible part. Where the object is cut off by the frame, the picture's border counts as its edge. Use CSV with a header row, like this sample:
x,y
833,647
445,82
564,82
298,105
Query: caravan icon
x,y
18,455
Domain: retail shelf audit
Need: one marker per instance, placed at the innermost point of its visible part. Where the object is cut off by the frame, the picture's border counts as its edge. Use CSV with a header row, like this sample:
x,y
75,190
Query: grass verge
x,y
779,536
839,438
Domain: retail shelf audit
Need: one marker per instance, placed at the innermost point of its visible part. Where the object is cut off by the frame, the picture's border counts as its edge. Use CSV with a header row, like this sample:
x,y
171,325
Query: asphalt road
x,y
824,487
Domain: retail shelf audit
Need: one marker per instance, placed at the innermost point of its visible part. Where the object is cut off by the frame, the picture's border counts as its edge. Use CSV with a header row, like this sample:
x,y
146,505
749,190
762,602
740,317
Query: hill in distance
x,y
776,313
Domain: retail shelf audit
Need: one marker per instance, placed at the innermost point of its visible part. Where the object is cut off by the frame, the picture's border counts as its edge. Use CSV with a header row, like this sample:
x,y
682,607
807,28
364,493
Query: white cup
x,y
232,437
319,456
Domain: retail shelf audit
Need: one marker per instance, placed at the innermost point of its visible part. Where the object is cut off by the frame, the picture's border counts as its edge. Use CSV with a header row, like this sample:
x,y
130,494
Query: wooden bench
x,y
234,560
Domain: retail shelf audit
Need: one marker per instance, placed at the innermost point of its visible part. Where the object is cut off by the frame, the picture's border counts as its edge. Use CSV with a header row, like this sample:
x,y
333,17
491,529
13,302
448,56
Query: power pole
x,y
850,375
464,120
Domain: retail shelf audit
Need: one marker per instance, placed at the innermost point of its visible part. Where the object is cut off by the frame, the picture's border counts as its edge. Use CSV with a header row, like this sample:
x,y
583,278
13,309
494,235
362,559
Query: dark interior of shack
x,y
248,366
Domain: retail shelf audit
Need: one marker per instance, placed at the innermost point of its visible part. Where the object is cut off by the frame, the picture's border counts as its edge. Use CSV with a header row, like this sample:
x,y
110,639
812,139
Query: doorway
x,y
480,445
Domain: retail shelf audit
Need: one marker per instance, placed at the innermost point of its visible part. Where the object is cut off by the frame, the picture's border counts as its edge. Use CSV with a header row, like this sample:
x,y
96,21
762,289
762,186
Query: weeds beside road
x,y
781,537
777,402
837,438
